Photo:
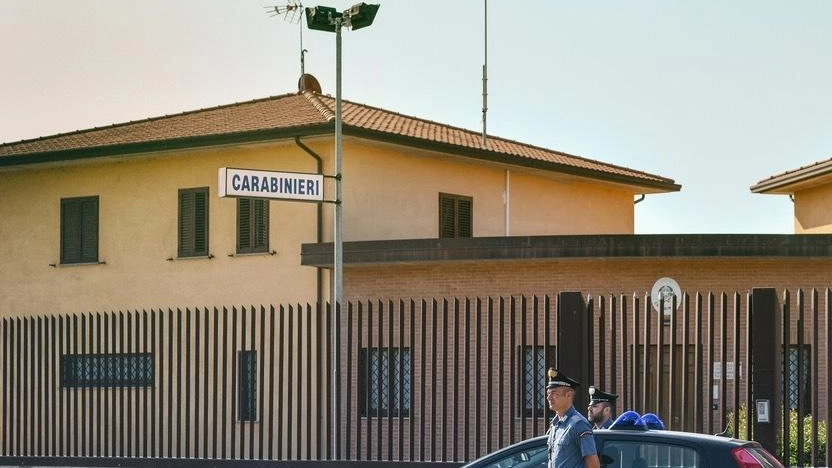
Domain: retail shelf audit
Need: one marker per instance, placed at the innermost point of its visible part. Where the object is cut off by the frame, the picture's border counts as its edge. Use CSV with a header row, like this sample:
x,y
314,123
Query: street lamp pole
x,y
328,19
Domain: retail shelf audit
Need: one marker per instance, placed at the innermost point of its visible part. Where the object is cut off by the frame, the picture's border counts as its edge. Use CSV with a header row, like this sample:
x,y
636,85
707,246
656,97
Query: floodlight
x,y
322,18
362,15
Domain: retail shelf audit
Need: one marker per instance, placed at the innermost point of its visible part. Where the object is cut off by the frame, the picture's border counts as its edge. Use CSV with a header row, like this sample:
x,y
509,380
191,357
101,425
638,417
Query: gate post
x,y
765,353
574,350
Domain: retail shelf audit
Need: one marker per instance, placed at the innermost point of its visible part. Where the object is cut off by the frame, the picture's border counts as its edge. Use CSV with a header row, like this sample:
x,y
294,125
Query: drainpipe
x,y
319,170
506,200
640,199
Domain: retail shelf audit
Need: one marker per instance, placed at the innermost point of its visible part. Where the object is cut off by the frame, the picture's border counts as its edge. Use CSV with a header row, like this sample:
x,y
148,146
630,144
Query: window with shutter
x,y
455,216
252,225
79,230
193,222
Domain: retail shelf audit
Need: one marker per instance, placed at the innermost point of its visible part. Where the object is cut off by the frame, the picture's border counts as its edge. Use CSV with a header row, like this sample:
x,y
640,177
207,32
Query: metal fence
x,y
441,380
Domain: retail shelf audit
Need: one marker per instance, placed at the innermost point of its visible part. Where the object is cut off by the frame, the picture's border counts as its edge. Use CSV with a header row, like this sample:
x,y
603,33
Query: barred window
x,y
384,382
247,390
800,389
534,362
107,370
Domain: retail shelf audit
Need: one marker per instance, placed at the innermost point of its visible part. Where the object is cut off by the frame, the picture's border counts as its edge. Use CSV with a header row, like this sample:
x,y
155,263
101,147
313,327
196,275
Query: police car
x,y
636,442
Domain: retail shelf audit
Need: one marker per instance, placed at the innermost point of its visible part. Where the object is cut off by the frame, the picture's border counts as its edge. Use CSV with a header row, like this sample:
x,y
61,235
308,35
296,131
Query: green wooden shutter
x,y
463,216
447,216
79,230
252,225
455,216
193,222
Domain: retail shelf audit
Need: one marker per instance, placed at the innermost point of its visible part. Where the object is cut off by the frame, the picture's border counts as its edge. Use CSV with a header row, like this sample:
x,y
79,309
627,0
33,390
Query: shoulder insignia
x,y
585,433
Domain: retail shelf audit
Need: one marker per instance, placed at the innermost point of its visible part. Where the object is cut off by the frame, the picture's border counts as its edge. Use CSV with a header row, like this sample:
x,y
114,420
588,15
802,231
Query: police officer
x,y
600,411
570,441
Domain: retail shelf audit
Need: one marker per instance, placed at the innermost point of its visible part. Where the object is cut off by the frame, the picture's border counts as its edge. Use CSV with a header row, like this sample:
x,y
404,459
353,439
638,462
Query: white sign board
x,y
269,184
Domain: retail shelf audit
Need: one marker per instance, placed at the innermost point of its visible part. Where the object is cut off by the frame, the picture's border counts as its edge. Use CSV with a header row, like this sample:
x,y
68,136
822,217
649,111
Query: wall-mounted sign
x,y
269,184
664,291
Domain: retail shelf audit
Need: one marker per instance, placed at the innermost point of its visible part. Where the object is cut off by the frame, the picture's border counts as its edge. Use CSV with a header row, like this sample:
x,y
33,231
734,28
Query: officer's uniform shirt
x,y
570,440
606,424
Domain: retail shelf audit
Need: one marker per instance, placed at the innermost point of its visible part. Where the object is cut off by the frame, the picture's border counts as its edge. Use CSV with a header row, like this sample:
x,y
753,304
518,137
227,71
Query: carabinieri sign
x,y
268,184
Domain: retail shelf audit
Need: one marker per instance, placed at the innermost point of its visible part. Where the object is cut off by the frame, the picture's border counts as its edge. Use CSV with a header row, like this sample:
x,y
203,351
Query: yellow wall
x,y
388,194
538,204
813,210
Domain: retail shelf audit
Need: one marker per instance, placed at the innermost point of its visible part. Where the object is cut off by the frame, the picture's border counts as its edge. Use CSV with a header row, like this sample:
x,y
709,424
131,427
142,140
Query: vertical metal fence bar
x,y
308,379
710,391
112,394
645,357
660,363
467,384
400,400
238,361
272,368
320,392
281,370
512,368
786,400
234,363
152,390
368,421
601,339
101,390
137,388
634,400
478,385
161,393
613,348
424,334
501,373
352,358
255,351
389,378
206,338
224,401
75,420
671,358
363,400
216,396
455,399
197,365
261,399
26,388
490,373
38,421
683,423
747,366
736,362
379,379
828,337
179,415
15,413
299,382
801,375
444,379
814,381
723,352
4,423
697,366
622,362
411,419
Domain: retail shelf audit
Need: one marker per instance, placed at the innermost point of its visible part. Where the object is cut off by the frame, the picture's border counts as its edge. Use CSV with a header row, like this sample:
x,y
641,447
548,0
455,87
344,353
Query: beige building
x,y
127,216
810,189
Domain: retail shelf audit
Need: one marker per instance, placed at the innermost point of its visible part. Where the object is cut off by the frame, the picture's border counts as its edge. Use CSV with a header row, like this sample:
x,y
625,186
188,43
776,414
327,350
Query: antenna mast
x,y
292,12
485,75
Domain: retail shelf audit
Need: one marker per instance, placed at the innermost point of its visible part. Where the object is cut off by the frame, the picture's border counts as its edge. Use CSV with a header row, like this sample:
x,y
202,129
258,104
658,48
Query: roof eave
x,y
786,184
647,186
164,145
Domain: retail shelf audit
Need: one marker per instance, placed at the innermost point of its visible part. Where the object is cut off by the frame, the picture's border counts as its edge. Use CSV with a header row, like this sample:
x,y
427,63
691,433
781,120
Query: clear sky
x,y
715,95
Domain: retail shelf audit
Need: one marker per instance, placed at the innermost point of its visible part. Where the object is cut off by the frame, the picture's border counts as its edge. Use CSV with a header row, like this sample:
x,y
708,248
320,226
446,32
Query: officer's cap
x,y
559,379
598,396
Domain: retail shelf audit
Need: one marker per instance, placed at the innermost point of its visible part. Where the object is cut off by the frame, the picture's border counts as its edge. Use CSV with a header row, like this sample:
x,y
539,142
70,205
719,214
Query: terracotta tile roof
x,y
802,177
314,114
